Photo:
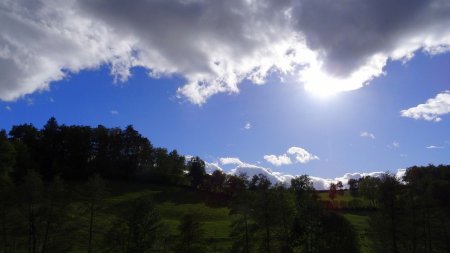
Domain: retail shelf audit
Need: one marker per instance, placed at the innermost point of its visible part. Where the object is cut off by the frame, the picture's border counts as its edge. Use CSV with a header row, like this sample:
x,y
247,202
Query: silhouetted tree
x,y
353,187
191,234
264,212
33,193
140,227
385,222
196,171
56,232
332,192
242,227
94,192
338,235
368,189
307,226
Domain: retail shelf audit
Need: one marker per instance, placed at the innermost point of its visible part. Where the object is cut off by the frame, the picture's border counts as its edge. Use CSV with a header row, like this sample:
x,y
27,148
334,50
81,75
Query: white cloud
x,y
114,112
301,155
367,134
435,147
278,160
295,154
251,170
394,144
30,101
431,110
211,167
8,108
278,177
230,161
247,126
215,45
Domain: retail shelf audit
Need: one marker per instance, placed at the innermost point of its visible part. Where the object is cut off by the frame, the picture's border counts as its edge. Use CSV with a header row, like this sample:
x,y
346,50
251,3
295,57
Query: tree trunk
x,y
47,229
247,247
91,224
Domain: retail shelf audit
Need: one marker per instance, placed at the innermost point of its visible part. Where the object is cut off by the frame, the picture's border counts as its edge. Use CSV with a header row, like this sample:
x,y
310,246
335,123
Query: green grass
x,y
359,220
174,202
361,225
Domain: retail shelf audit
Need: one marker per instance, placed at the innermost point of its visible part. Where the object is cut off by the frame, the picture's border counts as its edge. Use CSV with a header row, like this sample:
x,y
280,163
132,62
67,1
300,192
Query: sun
x,y
322,91
320,84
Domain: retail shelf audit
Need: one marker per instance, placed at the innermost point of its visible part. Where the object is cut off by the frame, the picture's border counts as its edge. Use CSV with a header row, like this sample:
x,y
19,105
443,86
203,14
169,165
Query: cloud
x,y
251,170
278,160
188,157
230,161
434,147
247,126
8,108
432,110
368,135
215,45
114,112
279,177
30,101
296,154
301,155
211,167
394,144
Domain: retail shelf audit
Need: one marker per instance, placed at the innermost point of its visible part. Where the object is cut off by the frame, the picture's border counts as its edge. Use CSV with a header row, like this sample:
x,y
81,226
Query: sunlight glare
x,y
319,84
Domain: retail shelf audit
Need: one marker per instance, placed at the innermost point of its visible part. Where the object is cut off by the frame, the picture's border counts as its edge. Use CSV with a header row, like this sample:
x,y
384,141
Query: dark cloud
x,y
215,44
348,33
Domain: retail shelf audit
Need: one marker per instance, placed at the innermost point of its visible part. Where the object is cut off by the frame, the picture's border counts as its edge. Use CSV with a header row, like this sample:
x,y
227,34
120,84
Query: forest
x,y
98,189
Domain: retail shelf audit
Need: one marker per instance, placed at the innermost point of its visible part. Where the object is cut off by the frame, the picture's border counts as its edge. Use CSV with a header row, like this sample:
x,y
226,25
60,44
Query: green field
x,y
359,220
174,202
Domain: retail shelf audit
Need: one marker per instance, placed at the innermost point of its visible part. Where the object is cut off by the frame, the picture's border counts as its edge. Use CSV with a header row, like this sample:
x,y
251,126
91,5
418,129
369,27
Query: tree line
x,y
77,152
411,214
42,212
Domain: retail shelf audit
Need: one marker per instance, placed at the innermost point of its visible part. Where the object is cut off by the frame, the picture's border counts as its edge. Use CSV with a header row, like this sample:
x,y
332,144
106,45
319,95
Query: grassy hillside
x,y
174,202
359,219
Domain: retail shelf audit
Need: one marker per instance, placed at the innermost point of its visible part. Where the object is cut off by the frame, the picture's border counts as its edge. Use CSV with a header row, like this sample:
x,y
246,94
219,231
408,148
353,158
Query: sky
x,y
335,90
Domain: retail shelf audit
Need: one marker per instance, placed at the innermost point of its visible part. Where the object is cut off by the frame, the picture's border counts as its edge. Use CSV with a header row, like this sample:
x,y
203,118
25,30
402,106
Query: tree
x,y
340,188
307,221
143,227
7,207
7,154
33,193
235,184
353,187
332,192
338,235
56,233
50,149
264,210
217,180
242,227
196,171
191,234
368,189
283,215
94,193
386,222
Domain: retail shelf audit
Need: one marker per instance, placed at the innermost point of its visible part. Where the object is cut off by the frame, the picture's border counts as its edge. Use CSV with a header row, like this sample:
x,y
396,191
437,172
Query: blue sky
x,y
249,85
281,115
